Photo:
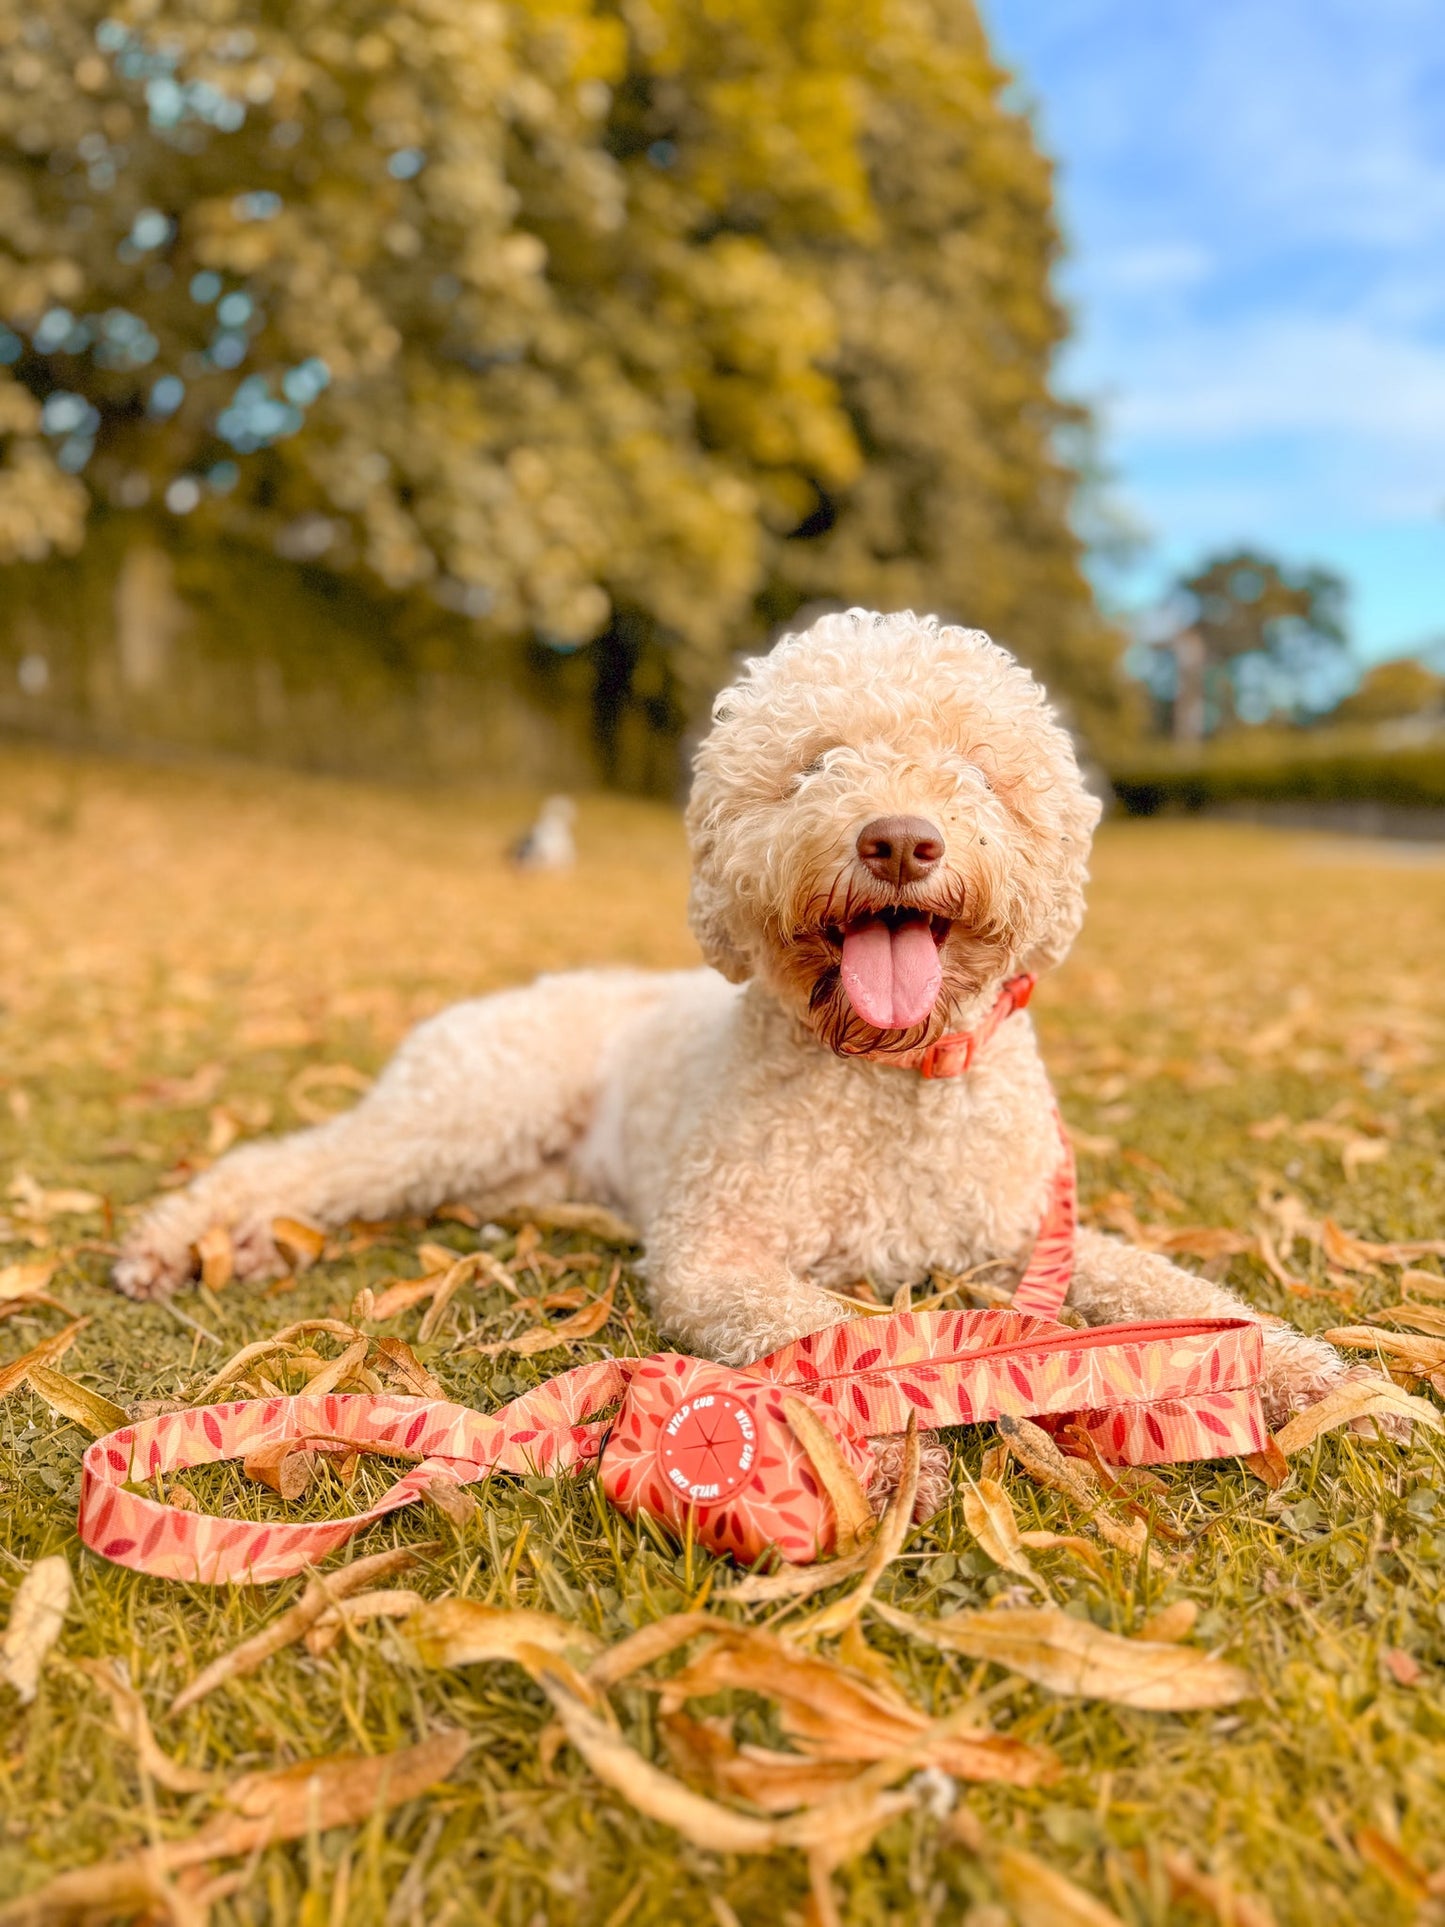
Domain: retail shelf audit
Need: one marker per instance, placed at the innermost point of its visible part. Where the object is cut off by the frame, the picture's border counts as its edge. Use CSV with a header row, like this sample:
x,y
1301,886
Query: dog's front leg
x,y
1116,1283
723,1289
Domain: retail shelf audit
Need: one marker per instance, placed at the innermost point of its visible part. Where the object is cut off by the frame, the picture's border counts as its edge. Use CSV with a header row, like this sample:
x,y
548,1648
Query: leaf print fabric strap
x,y
695,1444
1050,1269
550,1429
1148,1394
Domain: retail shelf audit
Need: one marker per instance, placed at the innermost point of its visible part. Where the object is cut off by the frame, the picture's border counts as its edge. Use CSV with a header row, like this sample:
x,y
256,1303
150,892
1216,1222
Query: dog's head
x,y
886,822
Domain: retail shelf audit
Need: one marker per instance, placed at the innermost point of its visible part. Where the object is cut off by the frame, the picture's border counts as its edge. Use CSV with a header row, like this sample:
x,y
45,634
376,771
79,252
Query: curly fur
x,y
745,1116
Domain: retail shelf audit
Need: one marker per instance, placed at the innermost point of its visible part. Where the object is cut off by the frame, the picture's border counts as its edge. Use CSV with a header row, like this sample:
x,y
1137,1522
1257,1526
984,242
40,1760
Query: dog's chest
x,y
921,1179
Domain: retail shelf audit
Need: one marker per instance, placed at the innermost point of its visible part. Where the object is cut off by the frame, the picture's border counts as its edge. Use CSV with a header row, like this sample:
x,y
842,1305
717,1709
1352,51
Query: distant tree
x,y
1252,638
604,323
1393,692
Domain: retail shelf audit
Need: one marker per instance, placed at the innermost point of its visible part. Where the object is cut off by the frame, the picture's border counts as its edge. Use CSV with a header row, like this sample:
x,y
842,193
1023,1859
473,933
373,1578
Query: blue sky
x,y
1254,197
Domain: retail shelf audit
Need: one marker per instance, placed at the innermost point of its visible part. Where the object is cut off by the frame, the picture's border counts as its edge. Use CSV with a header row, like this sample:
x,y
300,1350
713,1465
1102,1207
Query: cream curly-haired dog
x,y
887,824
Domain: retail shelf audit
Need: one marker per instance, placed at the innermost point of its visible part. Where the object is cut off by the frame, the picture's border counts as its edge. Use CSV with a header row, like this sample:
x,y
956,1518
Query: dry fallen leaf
x,y
34,1202
448,1285
796,1582
1429,1319
323,1077
288,1466
299,1243
705,1751
218,1257
1036,1452
14,1375
1038,1896
893,1529
320,1594
647,1645
29,1279
1424,1284
1171,1622
37,1613
990,1518
388,1603
1074,1656
461,1632
1407,1878
833,1831
451,1499
591,1220
1355,1399
74,1401
853,1516
131,1717
1269,1464
263,1348
1420,1354
397,1362
545,1338
344,1366
833,1714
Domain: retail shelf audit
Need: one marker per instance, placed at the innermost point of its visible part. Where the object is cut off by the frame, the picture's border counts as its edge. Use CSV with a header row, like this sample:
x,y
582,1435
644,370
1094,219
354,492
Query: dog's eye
x,y
812,767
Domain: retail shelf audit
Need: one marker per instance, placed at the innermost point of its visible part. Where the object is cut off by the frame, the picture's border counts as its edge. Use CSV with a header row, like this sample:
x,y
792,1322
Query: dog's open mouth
x,y
890,966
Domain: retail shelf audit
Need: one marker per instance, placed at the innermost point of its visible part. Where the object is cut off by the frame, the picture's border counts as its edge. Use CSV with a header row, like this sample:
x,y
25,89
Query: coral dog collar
x,y
696,1444
953,1054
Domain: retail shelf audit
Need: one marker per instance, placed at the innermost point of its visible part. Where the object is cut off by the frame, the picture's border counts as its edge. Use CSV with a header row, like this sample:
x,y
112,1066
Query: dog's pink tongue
x,y
891,976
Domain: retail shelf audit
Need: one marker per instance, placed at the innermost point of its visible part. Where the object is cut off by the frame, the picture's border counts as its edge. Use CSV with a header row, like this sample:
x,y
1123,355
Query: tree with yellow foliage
x,y
626,326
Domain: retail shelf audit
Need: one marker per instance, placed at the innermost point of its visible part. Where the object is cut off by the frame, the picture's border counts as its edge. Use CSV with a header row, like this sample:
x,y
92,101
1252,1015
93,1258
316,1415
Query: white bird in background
x,y
548,845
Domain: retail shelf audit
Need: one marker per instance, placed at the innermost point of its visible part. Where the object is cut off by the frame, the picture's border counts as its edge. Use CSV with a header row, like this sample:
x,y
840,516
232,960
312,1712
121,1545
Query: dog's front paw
x,y
1300,1371
935,1465
161,1252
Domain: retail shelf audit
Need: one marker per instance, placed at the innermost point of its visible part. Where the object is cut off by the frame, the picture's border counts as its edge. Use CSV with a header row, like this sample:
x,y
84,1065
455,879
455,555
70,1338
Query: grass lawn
x,y
1250,1039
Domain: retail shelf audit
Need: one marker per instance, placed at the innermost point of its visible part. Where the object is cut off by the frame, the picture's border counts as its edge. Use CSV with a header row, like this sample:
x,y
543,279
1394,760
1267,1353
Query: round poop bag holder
x,y
685,1440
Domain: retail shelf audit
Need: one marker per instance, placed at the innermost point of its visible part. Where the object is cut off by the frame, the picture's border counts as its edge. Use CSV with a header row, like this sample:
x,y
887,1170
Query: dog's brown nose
x,y
900,849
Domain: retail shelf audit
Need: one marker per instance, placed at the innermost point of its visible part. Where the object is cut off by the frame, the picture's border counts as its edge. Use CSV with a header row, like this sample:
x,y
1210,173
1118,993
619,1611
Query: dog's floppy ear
x,y
1058,910
707,912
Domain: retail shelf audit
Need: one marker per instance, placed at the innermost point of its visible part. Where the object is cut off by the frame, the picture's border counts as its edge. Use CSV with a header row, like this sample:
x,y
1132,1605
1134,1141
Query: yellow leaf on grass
x,y
37,1613
288,1466
1424,1284
323,1077
403,1295
990,1518
1354,1399
1429,1319
833,1831
263,1348
1040,1897
33,1201
1422,1354
1074,1656
833,1714
299,1243
27,1280
461,1632
14,1375
1171,1622
321,1593
77,1402
218,1257
592,1220
544,1338
397,1602
396,1360
131,1717
853,1516
447,1287
887,1543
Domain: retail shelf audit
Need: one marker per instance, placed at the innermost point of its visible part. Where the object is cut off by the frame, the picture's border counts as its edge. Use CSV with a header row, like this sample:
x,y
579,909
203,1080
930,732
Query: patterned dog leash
x,y
695,1443
689,1441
